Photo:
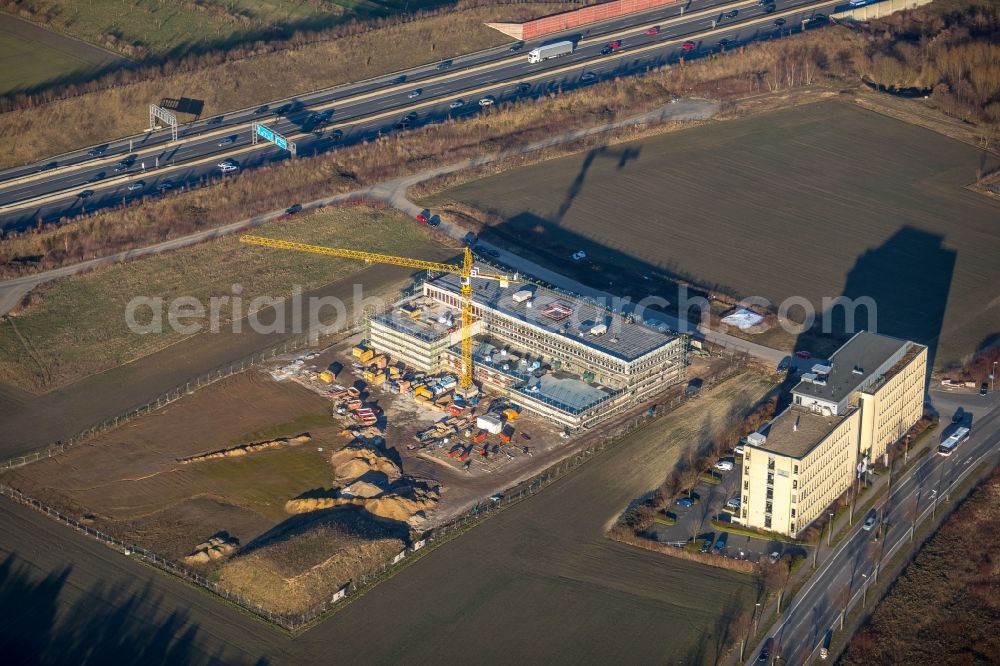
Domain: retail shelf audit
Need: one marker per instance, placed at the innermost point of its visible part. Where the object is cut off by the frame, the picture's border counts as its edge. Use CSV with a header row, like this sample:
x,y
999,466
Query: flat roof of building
x,y
568,394
569,317
797,431
425,325
851,365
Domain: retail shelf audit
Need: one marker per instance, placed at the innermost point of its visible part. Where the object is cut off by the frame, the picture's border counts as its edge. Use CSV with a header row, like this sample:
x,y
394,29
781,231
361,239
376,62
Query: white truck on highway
x,y
547,51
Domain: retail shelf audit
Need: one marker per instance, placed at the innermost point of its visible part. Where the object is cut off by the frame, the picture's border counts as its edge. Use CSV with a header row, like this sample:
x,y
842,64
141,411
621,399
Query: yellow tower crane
x,y
467,271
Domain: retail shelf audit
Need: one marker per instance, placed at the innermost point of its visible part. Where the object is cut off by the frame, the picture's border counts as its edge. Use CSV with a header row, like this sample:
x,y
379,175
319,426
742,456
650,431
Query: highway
x,y
362,111
817,608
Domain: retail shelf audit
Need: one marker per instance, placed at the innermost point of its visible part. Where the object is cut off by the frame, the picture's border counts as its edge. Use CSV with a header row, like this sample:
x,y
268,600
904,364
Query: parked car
x,y
655,30
423,215
870,522
435,221
803,354
724,465
685,502
734,503
688,46
720,544
293,209
739,449
984,388
775,556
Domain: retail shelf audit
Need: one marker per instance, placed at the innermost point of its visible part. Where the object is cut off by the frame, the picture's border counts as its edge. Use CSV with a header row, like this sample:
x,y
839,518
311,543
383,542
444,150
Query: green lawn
x,y
25,63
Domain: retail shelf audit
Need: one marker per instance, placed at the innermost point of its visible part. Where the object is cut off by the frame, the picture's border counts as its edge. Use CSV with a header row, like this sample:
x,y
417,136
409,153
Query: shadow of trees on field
x,y
44,622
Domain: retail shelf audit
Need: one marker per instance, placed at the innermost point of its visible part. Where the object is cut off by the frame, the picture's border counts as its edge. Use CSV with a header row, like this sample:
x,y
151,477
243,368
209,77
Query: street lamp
x,y
754,625
864,591
993,376
829,535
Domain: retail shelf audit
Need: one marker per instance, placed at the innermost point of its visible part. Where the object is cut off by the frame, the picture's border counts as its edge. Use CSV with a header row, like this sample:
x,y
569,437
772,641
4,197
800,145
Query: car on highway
x,y
770,8
137,185
516,47
579,255
411,116
765,654
226,166
49,166
445,64
415,93
164,186
725,43
85,194
126,163
214,121
228,140
733,13
97,151
655,30
290,107
523,87
688,46
869,522
336,134
457,104
615,44
984,388
765,3
779,22
293,209
97,177
685,502
264,108
724,465
588,77
607,50
489,100
814,21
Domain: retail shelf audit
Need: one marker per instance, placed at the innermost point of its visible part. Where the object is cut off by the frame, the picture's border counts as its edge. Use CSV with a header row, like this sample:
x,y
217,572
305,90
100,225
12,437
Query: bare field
x,y
79,325
818,201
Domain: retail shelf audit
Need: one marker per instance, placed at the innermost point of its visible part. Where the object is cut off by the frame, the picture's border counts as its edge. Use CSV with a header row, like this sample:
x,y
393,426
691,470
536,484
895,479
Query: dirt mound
x,y
363,488
404,505
250,448
215,548
351,463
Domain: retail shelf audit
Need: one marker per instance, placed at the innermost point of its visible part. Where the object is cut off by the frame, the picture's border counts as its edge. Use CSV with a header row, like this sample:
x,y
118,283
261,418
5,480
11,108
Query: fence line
x,y
477,513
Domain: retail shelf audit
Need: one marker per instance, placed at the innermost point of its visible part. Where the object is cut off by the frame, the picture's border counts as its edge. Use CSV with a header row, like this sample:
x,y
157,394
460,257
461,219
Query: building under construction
x,y
565,358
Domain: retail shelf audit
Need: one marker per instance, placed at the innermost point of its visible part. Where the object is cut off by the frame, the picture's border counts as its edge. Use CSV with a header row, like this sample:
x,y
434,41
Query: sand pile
x,y
250,448
392,506
352,463
213,549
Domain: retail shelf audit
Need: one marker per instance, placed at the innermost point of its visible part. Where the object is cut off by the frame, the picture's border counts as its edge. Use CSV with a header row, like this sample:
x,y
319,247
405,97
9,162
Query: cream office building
x,y
850,408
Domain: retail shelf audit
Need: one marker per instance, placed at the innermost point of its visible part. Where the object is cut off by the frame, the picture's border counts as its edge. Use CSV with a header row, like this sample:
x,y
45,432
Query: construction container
x,y
465,455
489,423
394,372
378,379
353,403
327,376
380,361
480,437
506,434
404,386
358,351
368,376
422,400
366,356
510,414
423,392
455,409
457,451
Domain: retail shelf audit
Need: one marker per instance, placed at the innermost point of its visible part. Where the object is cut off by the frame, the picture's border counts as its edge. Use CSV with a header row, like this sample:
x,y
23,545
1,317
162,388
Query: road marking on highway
x,y
492,86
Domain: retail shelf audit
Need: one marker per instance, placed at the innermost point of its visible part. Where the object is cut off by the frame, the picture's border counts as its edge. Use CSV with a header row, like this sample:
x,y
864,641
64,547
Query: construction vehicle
x,y
467,271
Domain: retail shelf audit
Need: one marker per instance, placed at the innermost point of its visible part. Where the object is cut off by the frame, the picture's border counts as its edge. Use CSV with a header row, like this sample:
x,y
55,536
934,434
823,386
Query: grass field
x,y
79,327
159,28
30,56
819,201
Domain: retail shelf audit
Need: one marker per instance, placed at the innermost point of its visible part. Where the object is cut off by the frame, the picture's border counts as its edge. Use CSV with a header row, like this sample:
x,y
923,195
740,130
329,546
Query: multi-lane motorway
x,y
799,635
91,178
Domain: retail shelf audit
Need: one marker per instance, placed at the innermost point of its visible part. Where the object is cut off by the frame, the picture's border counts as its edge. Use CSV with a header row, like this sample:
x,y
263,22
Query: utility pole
x,y
829,535
864,591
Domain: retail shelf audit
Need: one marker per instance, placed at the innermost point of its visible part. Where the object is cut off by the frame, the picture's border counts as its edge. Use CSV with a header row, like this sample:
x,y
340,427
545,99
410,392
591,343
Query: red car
x,y
423,216
615,44
687,46
655,30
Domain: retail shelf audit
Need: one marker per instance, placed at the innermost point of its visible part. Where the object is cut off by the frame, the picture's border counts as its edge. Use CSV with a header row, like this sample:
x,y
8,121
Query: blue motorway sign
x,y
269,135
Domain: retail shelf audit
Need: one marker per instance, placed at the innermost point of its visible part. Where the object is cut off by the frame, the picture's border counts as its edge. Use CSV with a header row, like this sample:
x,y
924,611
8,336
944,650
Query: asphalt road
x,y
362,111
816,609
